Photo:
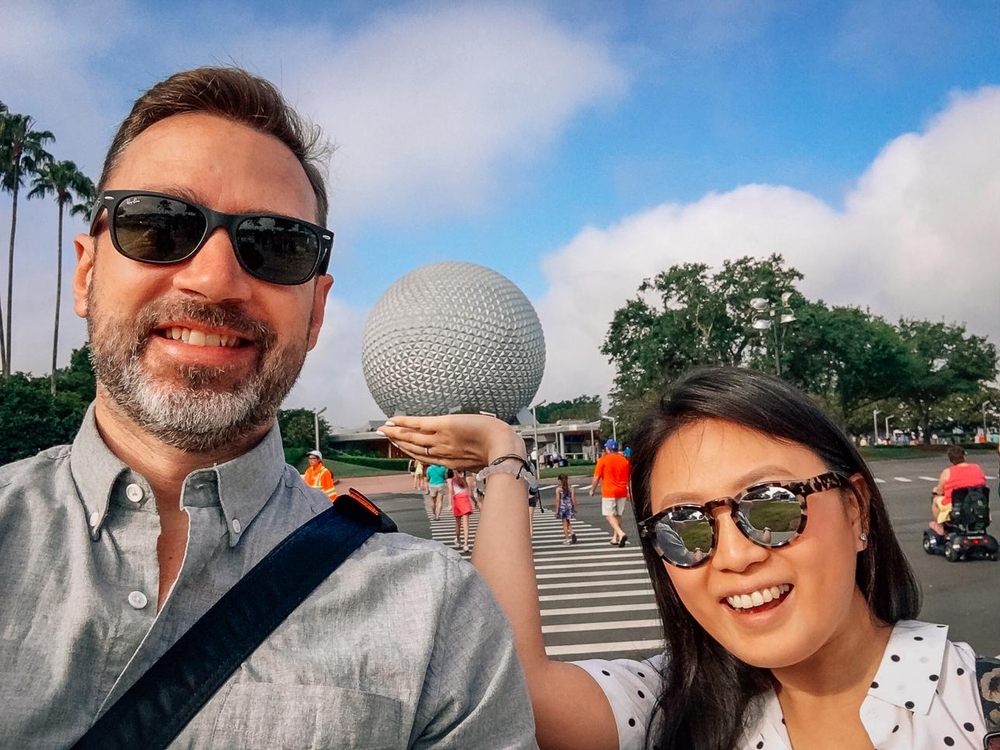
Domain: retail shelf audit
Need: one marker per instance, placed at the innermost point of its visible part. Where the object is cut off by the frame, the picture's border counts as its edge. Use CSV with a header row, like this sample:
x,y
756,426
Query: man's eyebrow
x,y
178,191
186,194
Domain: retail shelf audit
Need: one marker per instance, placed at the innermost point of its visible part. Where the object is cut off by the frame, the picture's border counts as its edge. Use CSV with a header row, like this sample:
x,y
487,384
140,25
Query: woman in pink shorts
x,y
461,506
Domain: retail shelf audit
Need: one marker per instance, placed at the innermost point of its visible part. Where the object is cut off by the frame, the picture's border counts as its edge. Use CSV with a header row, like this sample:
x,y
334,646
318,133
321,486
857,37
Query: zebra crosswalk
x,y
596,599
908,480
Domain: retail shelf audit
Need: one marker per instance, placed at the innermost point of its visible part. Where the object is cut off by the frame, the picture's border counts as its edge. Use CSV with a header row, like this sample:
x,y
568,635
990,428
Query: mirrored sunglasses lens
x,y
282,251
684,536
157,230
772,515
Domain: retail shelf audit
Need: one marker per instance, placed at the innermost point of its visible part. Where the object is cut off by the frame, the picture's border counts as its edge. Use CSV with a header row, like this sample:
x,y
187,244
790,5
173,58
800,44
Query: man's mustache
x,y
231,317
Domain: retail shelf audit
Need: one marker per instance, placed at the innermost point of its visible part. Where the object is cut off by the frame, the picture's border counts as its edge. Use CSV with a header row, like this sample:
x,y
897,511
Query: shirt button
x,y
137,599
95,519
134,493
237,526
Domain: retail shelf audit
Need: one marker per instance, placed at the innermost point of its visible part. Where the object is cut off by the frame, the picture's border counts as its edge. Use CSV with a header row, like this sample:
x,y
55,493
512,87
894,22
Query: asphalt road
x,y
596,599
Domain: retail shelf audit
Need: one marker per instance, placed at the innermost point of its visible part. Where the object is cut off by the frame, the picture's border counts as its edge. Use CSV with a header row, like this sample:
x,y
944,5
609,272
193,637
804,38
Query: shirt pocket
x,y
263,716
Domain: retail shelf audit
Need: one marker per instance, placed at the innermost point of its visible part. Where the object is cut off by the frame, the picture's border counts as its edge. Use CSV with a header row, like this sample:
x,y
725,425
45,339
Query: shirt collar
x,y
902,681
911,665
241,486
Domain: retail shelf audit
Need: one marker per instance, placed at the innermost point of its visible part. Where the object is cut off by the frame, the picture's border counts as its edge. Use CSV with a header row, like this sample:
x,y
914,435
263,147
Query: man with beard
x,y
203,281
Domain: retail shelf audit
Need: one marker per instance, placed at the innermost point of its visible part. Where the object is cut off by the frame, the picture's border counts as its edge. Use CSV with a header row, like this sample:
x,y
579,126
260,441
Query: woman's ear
x,y
858,505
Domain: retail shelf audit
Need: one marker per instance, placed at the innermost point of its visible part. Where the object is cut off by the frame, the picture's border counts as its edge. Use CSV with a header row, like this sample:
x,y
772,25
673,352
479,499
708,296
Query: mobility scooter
x,y
965,532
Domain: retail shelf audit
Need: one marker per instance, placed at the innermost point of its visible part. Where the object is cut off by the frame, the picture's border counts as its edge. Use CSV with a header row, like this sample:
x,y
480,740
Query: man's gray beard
x,y
195,416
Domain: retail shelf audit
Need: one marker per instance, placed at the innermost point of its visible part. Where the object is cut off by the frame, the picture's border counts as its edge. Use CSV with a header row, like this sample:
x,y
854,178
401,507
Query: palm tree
x,y
22,153
3,160
62,179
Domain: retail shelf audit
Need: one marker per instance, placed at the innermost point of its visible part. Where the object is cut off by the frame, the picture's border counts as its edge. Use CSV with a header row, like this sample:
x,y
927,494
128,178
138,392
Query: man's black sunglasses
x,y
164,229
770,514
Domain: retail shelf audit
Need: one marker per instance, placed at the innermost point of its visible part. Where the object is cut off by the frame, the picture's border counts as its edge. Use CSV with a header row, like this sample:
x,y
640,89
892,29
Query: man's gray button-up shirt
x,y
403,646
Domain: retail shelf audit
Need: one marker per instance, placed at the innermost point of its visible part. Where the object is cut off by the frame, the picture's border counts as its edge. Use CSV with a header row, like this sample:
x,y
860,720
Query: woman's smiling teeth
x,y
200,338
758,598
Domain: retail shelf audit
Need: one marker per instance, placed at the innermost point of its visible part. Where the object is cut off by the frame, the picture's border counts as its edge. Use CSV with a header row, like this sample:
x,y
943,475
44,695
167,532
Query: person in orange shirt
x,y
318,476
612,471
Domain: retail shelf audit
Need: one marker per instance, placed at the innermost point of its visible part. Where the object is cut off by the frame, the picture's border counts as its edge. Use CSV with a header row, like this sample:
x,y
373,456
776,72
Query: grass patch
x,y
343,470
587,470
894,452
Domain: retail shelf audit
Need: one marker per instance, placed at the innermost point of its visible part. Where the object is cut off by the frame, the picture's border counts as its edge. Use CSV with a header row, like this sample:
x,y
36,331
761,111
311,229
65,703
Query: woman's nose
x,y
733,551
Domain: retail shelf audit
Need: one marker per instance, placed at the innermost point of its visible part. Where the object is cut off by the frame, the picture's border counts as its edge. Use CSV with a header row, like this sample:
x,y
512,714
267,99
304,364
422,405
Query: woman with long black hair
x,y
787,603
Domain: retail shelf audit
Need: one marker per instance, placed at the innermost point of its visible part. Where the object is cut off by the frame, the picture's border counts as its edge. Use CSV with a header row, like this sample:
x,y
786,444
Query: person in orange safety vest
x,y
318,476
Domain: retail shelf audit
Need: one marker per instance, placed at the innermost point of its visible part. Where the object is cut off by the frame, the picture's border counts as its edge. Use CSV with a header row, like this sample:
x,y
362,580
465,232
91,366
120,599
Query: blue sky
x,y
572,147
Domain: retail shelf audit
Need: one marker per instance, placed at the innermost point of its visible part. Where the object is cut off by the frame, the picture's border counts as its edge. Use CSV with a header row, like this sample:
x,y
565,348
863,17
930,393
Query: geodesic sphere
x,y
453,337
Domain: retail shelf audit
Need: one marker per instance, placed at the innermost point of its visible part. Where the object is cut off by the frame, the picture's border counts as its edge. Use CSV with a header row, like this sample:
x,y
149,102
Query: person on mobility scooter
x,y
961,510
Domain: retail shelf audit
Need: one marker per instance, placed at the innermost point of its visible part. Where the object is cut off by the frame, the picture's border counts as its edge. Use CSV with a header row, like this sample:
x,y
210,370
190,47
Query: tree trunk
x,y
10,272
55,331
3,346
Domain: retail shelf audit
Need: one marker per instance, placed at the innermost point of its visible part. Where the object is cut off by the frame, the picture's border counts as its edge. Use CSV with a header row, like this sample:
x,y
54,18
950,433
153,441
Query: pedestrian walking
x,y
437,487
419,476
612,471
461,507
566,508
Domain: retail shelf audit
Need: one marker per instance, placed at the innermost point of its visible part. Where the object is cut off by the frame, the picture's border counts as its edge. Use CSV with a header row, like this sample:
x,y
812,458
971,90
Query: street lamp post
x,y
316,425
774,322
875,413
985,433
614,426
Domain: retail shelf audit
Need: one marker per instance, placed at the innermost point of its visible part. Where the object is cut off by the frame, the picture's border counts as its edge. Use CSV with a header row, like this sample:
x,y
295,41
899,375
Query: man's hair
x,y
956,454
236,95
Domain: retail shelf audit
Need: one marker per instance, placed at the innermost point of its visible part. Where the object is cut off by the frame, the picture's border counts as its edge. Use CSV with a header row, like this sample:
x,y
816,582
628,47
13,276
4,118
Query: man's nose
x,y
214,274
733,551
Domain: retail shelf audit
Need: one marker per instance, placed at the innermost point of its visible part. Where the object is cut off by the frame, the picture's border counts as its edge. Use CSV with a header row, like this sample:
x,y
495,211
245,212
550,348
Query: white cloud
x,y
432,113
332,374
435,114
917,238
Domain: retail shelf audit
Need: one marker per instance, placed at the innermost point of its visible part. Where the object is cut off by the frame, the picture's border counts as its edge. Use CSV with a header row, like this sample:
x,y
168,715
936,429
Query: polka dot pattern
x,y
923,697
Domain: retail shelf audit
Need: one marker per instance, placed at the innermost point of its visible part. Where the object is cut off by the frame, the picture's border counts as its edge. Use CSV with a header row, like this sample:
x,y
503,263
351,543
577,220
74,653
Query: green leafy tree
x,y
22,154
846,356
32,418
78,378
945,362
967,411
687,316
298,429
583,408
64,181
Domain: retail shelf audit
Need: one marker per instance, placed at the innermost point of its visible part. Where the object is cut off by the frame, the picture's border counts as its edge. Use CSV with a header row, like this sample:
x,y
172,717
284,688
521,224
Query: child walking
x,y
461,506
566,508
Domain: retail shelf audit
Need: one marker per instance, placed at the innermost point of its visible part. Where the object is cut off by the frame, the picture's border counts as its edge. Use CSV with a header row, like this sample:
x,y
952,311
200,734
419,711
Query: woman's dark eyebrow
x,y
770,472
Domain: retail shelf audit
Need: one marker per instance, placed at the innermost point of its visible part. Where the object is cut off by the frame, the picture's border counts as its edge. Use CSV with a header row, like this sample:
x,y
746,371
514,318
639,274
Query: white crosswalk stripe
x,y
586,588
902,479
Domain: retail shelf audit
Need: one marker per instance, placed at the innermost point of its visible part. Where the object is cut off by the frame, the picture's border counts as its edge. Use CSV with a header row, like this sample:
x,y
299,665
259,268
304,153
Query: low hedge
x,y
390,464
294,455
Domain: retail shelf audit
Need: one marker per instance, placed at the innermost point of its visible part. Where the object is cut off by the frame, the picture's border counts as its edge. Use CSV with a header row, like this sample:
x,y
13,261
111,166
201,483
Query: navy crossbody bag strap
x,y
988,681
162,702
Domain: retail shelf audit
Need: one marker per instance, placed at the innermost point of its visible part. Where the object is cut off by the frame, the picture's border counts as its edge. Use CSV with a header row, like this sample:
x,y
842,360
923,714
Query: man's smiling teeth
x,y
757,598
200,338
